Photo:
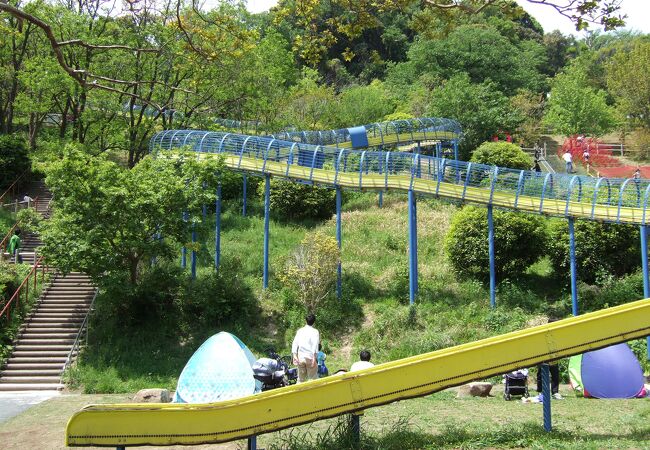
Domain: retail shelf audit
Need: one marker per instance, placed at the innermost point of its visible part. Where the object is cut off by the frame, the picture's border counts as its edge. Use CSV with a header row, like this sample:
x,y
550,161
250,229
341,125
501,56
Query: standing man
x,y
305,350
568,158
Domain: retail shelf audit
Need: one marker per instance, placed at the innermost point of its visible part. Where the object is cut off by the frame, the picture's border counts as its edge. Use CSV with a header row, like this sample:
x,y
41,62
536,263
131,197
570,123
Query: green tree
x,y
14,159
481,109
106,218
577,108
360,105
602,249
502,154
300,201
520,240
628,80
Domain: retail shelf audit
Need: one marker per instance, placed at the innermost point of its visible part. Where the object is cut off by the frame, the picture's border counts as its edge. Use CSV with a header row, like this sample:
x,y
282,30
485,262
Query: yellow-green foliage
x,y
311,269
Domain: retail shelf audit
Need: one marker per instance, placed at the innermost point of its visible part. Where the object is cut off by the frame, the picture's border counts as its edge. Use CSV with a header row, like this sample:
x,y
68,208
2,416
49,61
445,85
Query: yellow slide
x,y
168,424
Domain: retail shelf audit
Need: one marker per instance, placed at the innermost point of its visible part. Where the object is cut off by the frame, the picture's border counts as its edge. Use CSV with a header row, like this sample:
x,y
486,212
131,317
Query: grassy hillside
x,y
374,313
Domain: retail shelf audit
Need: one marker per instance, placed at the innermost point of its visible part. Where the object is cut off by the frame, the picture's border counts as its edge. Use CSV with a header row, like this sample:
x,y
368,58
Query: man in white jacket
x,y
305,350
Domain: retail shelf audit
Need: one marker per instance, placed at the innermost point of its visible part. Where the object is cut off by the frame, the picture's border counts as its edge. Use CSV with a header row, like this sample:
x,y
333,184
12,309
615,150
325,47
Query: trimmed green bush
x,y
602,250
502,154
520,240
298,201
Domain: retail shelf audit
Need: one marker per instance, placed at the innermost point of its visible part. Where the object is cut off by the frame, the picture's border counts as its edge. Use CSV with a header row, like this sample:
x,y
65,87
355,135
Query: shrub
x,y
232,185
13,159
601,249
300,201
311,269
502,154
520,240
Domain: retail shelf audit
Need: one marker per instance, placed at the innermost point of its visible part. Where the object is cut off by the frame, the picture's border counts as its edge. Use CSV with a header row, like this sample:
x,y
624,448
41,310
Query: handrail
x,y
25,284
12,186
82,328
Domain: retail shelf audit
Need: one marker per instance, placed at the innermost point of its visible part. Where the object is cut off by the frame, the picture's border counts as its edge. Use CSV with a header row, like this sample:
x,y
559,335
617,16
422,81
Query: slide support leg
x,y
252,443
355,426
493,301
267,211
217,229
193,263
644,265
546,394
339,273
574,276
413,248
245,187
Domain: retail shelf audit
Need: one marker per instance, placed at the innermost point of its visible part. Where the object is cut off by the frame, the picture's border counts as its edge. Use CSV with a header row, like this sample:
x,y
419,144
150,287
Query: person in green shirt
x,y
14,246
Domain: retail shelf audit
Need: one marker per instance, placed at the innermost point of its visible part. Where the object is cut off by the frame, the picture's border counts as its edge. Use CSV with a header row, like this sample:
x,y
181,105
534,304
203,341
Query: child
x,y
320,358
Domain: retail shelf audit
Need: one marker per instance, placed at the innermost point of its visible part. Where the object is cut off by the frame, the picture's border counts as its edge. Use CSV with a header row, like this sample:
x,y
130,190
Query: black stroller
x,y
516,384
274,371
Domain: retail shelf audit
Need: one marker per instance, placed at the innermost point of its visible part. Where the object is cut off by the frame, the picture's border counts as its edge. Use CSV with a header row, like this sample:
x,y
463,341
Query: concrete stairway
x,y
48,335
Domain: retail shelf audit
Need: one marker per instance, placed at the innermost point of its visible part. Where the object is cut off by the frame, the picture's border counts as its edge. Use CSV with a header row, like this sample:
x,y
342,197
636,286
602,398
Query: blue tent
x,y
611,372
221,369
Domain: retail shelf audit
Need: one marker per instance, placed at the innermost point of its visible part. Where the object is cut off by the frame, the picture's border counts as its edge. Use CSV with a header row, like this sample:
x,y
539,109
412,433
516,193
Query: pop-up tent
x,y
221,369
611,372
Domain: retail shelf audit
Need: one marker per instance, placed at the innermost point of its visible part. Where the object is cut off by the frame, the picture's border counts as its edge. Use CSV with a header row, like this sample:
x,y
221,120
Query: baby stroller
x,y
516,384
274,372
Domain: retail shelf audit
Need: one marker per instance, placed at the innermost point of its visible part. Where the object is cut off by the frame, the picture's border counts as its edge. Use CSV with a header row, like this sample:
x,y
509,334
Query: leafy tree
x,y
311,269
480,108
602,249
559,50
531,107
502,154
520,240
576,108
308,105
106,218
481,52
360,105
14,159
628,79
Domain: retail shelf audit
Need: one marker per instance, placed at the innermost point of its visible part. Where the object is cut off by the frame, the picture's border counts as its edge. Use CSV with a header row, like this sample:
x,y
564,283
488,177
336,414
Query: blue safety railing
x,y
618,193
379,134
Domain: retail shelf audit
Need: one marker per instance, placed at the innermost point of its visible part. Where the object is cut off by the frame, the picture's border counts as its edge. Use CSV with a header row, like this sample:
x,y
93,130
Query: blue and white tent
x,y
219,370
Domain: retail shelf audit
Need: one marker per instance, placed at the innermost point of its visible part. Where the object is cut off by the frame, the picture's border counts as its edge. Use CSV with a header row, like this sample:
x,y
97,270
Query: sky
x,y
638,12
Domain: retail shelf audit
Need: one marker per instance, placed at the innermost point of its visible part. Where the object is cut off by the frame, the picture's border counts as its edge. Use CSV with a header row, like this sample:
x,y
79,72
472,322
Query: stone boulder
x,y
475,389
152,396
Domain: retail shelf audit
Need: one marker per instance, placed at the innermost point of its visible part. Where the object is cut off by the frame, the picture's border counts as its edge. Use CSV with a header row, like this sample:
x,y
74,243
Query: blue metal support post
x,y
339,274
355,427
245,187
267,213
252,443
546,397
493,301
193,263
574,276
184,249
455,149
217,229
644,265
413,248
381,193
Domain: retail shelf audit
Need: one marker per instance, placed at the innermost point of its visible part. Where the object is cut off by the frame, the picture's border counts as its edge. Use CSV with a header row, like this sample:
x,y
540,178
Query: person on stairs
x,y
14,246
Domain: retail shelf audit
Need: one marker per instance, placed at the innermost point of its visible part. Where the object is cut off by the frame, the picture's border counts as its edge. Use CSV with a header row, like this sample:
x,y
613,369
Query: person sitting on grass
x,y
320,357
364,356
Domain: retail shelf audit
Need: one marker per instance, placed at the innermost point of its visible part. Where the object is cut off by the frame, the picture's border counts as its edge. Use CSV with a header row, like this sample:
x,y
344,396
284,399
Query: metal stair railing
x,y
23,289
81,332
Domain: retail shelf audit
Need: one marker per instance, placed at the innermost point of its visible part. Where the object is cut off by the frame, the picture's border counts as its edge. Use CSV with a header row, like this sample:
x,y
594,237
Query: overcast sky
x,y
638,12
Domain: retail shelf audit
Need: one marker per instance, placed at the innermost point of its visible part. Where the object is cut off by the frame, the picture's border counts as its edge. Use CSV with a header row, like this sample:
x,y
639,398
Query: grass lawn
x,y
435,421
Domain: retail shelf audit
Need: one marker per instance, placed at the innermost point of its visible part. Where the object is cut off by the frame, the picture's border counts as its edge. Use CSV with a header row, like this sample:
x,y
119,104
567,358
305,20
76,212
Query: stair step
x,y
65,334
41,353
29,340
41,362
9,387
49,325
45,315
50,330
20,347
10,373
38,379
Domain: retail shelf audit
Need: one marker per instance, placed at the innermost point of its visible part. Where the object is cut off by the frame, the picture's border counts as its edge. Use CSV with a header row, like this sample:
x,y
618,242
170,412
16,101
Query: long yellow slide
x,y
168,424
